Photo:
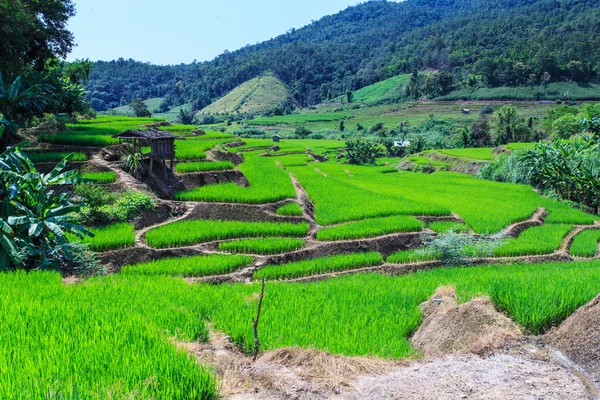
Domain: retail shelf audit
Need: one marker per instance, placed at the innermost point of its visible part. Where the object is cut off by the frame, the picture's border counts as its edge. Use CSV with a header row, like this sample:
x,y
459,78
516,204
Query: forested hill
x,y
482,42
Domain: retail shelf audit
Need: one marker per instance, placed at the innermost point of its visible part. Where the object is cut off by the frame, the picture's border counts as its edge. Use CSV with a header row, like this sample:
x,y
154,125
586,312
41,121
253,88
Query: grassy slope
x,y
152,104
552,92
254,97
392,88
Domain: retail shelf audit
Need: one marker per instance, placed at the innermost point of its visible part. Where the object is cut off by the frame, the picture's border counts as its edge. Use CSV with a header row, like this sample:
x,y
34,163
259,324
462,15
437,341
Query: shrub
x,y
362,152
454,248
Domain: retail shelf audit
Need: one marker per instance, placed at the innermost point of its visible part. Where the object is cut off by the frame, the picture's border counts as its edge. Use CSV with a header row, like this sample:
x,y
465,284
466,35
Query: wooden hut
x,y
162,144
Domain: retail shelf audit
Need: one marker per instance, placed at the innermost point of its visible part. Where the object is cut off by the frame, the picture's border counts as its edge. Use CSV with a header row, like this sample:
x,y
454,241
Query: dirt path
x,y
523,373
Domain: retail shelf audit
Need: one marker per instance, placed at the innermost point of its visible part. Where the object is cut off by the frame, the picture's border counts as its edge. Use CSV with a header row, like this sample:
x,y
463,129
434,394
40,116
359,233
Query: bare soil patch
x,y
579,337
474,327
304,374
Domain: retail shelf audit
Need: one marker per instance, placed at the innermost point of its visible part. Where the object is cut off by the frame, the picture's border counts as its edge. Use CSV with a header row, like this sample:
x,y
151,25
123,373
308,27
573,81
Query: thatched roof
x,y
150,134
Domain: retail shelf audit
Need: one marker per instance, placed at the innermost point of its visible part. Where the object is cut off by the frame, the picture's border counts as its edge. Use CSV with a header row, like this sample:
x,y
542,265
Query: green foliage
x,y
110,237
484,154
102,205
134,164
411,256
290,210
268,184
140,109
265,246
444,226
586,243
190,167
38,32
371,228
257,96
508,127
343,193
360,151
533,241
104,338
454,248
480,132
567,126
319,266
507,168
34,220
99,177
302,132
54,156
191,232
197,266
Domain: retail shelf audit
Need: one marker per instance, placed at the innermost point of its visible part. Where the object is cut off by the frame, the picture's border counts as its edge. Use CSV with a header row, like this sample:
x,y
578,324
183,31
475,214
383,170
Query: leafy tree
x,y
508,126
342,126
140,109
302,132
32,32
480,132
349,95
437,84
413,88
567,126
187,117
360,151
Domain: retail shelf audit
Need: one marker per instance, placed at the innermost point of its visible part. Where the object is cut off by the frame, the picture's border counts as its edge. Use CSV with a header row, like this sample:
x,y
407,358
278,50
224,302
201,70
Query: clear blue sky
x,y
180,31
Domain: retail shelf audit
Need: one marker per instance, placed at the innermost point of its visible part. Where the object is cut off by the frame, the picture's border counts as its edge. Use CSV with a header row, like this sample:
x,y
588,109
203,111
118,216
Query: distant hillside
x,y
389,89
152,104
481,43
257,96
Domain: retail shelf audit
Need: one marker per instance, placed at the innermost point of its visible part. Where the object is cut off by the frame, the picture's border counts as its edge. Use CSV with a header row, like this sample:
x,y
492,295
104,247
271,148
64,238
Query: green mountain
x,y
257,96
482,43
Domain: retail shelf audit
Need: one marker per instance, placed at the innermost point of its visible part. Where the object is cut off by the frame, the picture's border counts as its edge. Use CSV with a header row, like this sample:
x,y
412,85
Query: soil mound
x,y
474,327
579,337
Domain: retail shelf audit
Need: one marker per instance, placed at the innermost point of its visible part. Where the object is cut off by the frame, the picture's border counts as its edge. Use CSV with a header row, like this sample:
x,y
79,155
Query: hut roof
x,y
150,134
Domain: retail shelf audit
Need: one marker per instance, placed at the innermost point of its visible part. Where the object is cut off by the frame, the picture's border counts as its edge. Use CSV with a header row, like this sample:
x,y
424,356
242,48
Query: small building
x,y
277,138
162,144
466,111
402,143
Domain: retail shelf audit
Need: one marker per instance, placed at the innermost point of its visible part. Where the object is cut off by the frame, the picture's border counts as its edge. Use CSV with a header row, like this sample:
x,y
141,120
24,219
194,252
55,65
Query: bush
x,y
302,132
361,151
487,110
100,205
454,248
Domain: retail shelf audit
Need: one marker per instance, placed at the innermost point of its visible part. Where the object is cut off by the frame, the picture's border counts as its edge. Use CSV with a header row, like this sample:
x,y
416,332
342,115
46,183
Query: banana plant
x,y
34,219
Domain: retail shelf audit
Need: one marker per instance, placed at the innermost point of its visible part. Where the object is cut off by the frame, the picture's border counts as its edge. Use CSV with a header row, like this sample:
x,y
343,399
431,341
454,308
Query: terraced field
x,y
346,241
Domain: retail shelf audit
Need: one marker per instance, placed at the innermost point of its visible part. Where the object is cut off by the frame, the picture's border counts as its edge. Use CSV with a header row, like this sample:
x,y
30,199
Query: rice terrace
x,y
372,206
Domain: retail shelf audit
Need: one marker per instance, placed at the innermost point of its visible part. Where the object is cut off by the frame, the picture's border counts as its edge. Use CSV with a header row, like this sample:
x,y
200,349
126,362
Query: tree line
x,y
475,43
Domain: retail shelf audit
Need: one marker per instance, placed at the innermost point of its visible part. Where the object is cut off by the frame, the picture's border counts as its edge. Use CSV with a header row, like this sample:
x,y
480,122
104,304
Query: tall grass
x,y
366,193
411,256
290,210
319,266
543,239
205,265
190,167
373,314
111,237
484,154
586,244
54,156
100,177
371,228
191,232
195,148
262,246
445,226
268,184
106,338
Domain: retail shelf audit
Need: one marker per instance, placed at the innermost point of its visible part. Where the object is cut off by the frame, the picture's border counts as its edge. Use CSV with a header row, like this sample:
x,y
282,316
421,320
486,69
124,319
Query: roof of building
x,y
150,134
